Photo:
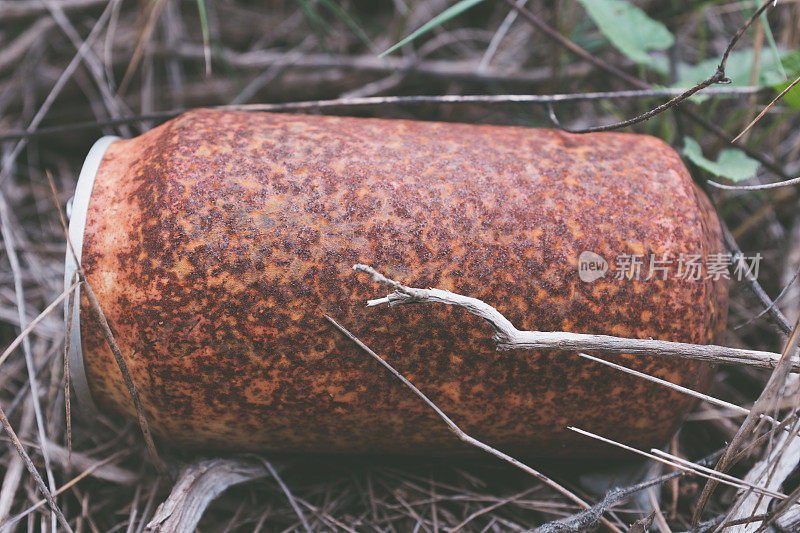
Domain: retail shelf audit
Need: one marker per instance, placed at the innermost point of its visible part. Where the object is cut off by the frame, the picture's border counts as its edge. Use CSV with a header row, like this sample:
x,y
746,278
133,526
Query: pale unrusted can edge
x,y
77,209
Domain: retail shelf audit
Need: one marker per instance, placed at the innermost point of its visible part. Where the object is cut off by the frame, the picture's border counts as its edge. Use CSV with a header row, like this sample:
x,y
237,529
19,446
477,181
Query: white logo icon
x,y
591,266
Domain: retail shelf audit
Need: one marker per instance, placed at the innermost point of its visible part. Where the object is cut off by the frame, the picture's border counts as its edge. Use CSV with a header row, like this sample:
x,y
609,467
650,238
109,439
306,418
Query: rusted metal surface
x,y
216,242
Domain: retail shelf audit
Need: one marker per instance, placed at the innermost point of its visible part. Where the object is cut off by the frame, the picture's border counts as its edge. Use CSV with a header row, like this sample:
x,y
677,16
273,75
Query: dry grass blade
x,y
30,364
33,323
66,486
154,7
476,514
714,473
67,406
672,386
100,318
55,91
587,519
16,50
274,473
759,187
458,431
500,34
778,318
683,465
575,49
783,509
762,405
766,109
33,472
771,472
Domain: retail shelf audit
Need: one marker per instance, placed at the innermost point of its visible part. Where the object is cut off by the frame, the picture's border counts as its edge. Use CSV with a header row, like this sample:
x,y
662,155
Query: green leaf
x,y
738,68
439,19
732,163
790,62
629,28
792,98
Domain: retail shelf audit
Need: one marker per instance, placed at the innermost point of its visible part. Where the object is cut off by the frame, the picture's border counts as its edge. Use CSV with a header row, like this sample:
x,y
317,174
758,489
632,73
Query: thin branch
x,y
777,316
508,337
759,187
457,430
774,302
586,519
599,63
572,47
708,125
717,77
198,484
374,100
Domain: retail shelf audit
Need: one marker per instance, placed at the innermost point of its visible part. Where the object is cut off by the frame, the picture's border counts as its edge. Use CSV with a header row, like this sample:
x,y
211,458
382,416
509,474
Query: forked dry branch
x,y
508,337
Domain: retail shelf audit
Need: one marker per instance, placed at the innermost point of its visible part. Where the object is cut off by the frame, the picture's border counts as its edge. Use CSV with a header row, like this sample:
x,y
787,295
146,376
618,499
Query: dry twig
x,y
372,101
508,337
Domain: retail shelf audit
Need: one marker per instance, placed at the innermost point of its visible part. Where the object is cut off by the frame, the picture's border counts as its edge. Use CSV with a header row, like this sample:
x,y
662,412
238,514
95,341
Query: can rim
x,y
77,209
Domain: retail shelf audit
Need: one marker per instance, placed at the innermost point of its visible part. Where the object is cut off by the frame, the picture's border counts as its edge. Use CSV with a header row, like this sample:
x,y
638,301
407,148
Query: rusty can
x,y
216,243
